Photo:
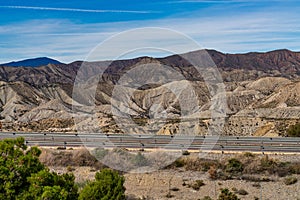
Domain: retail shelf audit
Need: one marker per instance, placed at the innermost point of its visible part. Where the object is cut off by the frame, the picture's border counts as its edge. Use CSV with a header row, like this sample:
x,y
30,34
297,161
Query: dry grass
x,y
65,158
216,168
251,164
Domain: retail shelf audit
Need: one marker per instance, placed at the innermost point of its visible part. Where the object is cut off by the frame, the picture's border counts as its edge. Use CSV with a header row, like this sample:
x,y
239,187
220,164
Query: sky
x,y
70,30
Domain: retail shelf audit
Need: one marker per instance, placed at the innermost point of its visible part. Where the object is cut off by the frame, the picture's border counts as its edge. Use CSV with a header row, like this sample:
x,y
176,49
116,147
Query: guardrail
x,y
178,142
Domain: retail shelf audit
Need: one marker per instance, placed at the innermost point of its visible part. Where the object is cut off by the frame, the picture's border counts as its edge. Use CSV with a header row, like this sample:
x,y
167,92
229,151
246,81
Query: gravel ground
x,y
156,185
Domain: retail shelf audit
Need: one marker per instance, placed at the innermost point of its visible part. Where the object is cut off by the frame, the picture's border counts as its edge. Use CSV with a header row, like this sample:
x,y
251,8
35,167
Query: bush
x,y
290,180
213,172
70,168
23,176
197,184
206,198
227,195
268,164
234,166
77,157
294,168
179,162
52,186
108,185
175,189
200,164
257,185
169,195
294,130
207,164
249,155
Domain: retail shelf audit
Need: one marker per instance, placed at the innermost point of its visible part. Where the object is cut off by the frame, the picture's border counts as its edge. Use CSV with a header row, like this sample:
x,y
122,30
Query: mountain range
x,y
283,63
32,62
262,92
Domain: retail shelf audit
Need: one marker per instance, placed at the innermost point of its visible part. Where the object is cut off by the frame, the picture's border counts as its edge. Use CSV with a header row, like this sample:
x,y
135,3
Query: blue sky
x,y
69,30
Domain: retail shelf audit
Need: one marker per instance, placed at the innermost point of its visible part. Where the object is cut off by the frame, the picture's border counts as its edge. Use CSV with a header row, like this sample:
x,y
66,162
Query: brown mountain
x,y
238,67
262,91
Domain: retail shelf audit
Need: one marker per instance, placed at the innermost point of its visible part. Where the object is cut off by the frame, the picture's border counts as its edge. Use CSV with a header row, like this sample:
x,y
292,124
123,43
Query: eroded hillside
x,y
262,92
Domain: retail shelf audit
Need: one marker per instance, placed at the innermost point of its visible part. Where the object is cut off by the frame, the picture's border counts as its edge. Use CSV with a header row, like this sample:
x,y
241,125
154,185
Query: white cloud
x,y
76,9
67,41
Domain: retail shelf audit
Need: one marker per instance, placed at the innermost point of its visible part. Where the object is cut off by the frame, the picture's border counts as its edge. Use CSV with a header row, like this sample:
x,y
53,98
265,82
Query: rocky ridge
x,y
261,90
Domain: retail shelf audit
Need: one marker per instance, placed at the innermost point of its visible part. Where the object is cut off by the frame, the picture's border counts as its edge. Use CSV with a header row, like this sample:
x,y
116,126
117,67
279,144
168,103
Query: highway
x,y
166,142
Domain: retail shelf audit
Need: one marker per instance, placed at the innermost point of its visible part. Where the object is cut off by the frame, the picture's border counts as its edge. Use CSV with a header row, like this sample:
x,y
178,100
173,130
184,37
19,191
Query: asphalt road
x,y
204,143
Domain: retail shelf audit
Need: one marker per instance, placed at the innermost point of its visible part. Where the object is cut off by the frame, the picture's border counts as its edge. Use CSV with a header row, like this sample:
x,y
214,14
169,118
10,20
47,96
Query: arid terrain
x,y
261,90
262,93
264,177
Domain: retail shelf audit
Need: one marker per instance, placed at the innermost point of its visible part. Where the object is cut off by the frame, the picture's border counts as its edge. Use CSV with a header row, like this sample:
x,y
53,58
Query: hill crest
x,y
32,62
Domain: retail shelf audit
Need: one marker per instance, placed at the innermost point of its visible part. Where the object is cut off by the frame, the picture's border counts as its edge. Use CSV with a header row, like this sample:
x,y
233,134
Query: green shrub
x,y
185,153
249,155
175,189
169,195
108,185
290,180
257,185
206,198
270,165
179,162
197,184
266,162
234,166
70,168
294,130
22,176
52,186
294,168
207,164
227,195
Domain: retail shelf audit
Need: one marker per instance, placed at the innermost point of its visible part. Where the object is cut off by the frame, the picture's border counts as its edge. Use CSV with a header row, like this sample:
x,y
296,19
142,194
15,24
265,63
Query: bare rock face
x,y
268,85
262,92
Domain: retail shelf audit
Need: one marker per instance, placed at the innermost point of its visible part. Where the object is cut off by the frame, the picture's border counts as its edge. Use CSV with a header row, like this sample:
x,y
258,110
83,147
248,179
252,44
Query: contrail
x,y
77,10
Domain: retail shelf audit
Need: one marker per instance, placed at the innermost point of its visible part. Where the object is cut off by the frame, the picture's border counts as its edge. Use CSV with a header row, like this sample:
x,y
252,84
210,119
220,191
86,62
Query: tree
x,y
227,195
45,185
23,176
294,130
16,165
108,185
